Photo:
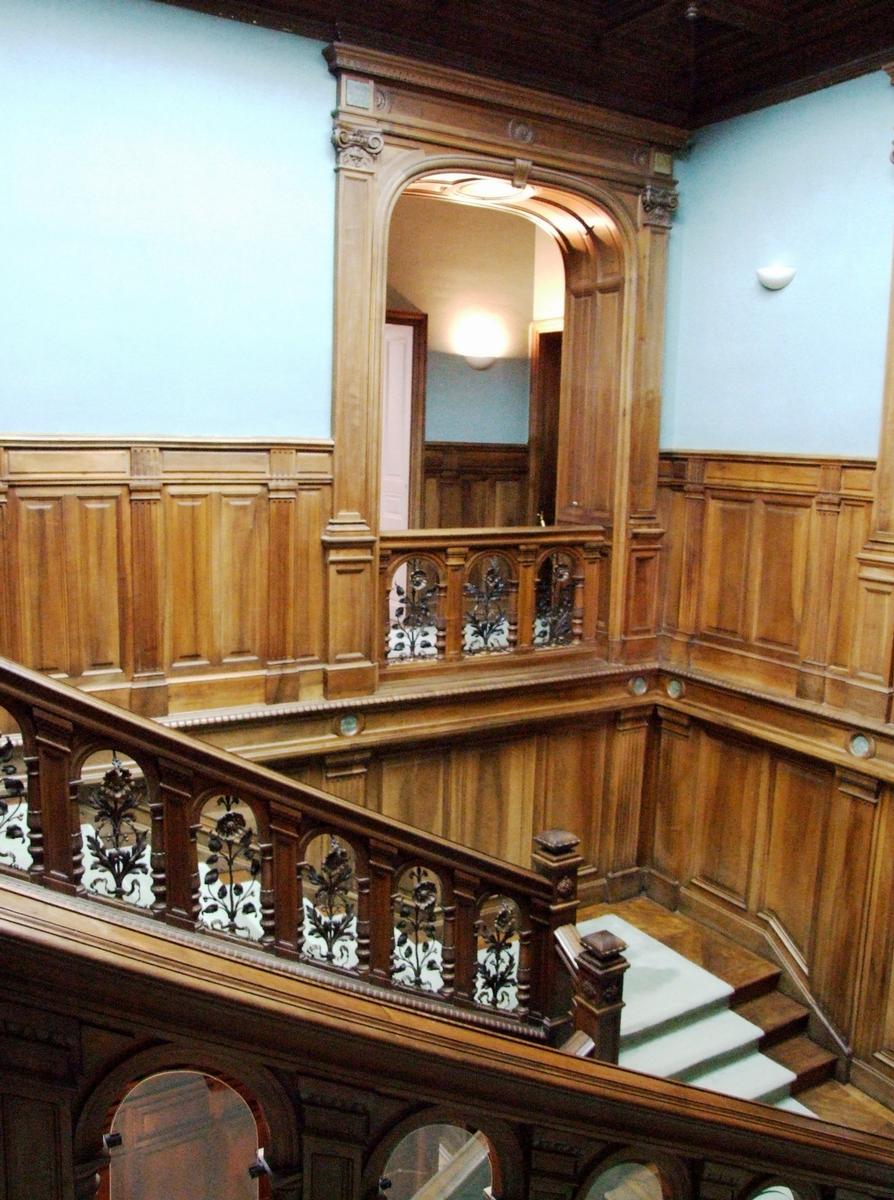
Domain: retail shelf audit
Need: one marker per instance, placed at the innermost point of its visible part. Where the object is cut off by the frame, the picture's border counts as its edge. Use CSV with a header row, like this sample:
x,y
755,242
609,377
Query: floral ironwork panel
x,y
496,971
15,842
486,620
418,931
115,837
413,605
554,601
329,926
230,869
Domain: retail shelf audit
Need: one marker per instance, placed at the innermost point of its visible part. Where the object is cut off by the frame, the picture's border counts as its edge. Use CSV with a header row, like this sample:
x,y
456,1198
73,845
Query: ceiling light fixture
x,y
485,187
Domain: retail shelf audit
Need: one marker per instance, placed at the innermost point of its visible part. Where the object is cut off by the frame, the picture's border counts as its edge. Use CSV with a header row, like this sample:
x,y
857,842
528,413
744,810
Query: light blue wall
x,y
465,405
166,223
808,183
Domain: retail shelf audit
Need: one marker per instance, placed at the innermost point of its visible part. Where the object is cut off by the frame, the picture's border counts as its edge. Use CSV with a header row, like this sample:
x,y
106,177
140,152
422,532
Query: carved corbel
x,y
658,205
357,147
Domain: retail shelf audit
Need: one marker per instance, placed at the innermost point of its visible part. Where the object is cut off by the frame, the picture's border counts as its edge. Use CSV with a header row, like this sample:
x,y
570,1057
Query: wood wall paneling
x,y
474,485
169,576
765,579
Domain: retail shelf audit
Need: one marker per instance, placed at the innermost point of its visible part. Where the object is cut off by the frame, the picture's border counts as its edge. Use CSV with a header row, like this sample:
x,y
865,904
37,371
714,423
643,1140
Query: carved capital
x,y
358,148
658,205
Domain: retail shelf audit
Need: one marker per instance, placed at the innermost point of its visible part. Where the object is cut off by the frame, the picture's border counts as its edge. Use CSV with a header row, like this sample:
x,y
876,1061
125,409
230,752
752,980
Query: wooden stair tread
x,y
778,1015
811,1063
745,972
843,1104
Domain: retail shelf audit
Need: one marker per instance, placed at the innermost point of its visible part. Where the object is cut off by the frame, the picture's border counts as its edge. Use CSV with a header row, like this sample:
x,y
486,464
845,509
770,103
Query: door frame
x,y
419,323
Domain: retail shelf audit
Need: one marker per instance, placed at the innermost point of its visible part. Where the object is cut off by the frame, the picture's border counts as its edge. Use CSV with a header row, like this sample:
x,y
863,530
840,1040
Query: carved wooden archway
x,y
398,121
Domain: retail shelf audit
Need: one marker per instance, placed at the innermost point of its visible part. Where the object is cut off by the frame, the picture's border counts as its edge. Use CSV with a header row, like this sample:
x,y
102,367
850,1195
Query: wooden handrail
x,y
207,840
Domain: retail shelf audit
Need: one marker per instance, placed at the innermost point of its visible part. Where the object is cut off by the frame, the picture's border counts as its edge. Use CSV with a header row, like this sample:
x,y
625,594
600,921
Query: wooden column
x,y
349,539
150,688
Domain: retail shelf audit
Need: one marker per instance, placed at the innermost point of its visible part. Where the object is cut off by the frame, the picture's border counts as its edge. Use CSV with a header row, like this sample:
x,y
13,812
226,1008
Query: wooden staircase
x,y
756,996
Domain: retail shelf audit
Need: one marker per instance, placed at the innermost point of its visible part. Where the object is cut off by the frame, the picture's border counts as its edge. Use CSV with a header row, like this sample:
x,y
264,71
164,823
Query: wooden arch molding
x,y
257,1086
507,1162
399,121
675,1177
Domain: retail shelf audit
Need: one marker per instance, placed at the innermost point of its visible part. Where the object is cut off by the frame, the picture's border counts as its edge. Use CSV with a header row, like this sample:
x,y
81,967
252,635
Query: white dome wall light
x,y
775,277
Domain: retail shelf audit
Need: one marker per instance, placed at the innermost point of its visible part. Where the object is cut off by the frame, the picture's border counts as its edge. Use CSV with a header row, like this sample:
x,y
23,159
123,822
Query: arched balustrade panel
x,y
499,942
115,819
414,606
556,616
490,590
329,902
230,869
419,943
15,834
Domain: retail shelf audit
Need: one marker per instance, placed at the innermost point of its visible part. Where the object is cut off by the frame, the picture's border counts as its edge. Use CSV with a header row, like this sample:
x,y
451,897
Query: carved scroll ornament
x,y
658,205
358,148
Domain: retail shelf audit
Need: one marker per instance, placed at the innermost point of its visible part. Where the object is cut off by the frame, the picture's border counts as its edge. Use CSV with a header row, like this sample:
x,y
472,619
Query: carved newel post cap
x,y
603,945
556,842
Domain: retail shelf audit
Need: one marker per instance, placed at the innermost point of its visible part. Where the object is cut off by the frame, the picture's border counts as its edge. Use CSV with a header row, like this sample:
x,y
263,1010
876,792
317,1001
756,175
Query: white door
x,y
397,390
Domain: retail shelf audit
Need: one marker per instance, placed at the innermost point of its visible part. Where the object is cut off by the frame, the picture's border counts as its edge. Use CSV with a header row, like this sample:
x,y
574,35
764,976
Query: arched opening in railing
x,y
328,915
15,834
498,966
414,610
490,616
112,801
230,869
556,603
418,907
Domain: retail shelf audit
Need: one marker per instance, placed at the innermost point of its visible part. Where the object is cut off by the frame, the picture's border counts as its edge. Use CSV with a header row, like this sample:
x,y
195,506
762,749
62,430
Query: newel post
x,y
556,858
599,994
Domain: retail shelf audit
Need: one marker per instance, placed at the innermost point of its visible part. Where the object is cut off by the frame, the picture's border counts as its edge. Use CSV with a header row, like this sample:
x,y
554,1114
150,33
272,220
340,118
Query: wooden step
x,y
779,1016
811,1063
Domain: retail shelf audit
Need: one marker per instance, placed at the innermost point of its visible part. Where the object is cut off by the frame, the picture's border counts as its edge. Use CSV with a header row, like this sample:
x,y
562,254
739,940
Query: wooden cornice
x,y
108,965
450,82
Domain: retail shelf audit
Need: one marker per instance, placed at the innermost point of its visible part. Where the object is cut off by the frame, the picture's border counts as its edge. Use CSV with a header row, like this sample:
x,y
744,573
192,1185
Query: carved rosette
x,y
658,205
357,148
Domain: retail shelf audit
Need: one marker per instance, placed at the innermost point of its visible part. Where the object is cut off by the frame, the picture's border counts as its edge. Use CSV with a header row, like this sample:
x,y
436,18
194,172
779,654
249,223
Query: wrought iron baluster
x,y
228,902
116,851
486,623
414,621
15,842
417,948
497,970
330,918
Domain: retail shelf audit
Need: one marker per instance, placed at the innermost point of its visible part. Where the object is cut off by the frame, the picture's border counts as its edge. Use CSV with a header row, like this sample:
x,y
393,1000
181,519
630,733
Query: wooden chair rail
x,y
114,807
455,596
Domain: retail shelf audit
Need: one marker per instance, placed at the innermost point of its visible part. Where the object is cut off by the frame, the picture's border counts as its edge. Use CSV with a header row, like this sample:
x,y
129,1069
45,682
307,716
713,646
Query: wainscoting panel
x,y
167,576
761,580
475,485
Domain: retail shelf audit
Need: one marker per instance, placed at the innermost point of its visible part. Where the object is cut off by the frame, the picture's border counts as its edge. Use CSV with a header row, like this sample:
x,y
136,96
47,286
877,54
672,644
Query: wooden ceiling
x,y
688,62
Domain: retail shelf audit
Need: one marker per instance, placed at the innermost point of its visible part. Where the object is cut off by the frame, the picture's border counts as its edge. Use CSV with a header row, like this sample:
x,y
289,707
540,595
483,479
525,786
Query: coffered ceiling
x,y
684,61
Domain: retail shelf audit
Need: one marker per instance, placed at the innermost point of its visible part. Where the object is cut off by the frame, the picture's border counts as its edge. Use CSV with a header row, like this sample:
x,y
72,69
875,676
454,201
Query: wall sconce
x,y
775,277
480,338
